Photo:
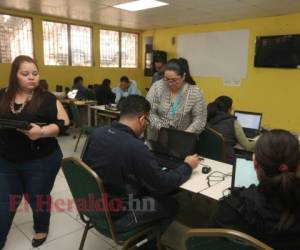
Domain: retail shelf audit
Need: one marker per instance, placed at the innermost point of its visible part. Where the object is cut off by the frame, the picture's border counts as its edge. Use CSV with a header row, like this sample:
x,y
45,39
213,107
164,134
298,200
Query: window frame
x,y
69,43
120,48
32,35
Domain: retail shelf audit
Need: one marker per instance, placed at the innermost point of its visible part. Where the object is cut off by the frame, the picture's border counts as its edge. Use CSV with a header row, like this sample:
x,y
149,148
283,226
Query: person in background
x,y
270,211
29,159
104,94
175,102
159,65
219,118
78,84
136,173
44,85
125,88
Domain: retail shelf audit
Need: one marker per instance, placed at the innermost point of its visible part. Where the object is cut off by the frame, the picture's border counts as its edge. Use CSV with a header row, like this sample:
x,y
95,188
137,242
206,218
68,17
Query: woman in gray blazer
x,y
176,101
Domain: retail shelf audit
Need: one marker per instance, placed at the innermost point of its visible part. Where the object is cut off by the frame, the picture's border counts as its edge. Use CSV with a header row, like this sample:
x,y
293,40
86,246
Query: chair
x,y
211,144
84,183
222,239
84,129
58,88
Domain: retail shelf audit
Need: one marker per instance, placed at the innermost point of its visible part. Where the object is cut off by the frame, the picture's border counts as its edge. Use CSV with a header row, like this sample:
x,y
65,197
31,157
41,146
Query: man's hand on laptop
x,y
192,160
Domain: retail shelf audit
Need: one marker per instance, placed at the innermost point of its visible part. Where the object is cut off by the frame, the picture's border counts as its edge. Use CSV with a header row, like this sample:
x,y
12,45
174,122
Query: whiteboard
x,y
216,54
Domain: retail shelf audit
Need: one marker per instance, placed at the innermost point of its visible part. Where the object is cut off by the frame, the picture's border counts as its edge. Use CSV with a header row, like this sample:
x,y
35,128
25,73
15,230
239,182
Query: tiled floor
x,y
66,228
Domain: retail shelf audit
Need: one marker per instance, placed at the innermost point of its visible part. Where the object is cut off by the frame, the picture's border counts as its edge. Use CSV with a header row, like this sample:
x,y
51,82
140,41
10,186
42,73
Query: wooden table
x,y
100,110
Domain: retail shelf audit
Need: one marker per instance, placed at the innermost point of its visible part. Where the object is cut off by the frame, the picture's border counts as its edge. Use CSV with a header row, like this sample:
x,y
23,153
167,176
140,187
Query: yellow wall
x,y
65,74
274,92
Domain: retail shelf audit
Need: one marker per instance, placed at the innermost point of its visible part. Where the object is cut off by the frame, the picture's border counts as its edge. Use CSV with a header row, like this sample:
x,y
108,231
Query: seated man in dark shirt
x,y
131,173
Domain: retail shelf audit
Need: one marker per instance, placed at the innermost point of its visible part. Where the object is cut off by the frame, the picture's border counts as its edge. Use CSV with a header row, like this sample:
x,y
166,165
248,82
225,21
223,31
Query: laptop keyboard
x,y
251,133
168,163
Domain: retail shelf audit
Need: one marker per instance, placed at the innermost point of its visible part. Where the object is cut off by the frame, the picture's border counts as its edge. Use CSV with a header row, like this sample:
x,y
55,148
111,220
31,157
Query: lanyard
x,y
175,105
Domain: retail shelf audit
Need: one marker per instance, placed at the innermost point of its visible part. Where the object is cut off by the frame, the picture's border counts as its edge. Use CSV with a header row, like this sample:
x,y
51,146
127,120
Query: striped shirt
x,y
190,114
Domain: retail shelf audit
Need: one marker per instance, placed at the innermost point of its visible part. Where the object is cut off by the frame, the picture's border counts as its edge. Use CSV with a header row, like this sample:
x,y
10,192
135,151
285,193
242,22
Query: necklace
x,y
19,110
175,105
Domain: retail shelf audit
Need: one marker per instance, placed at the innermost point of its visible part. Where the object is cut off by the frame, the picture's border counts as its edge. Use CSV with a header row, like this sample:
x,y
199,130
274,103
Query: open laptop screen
x,y
175,143
243,174
249,119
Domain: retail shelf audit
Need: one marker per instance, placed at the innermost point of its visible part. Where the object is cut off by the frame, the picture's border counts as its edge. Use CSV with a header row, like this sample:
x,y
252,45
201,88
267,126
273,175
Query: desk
x,y
81,104
198,183
102,111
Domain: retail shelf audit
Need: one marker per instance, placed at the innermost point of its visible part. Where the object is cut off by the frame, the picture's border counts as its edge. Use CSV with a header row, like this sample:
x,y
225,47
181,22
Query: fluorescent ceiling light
x,y
140,5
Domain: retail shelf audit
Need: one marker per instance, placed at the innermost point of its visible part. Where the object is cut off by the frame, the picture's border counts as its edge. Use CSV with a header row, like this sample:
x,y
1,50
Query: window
x,y
129,47
109,48
118,49
55,43
81,45
67,44
15,37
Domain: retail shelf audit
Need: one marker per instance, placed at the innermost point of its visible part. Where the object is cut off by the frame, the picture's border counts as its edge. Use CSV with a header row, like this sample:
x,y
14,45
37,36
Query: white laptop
x,y
250,122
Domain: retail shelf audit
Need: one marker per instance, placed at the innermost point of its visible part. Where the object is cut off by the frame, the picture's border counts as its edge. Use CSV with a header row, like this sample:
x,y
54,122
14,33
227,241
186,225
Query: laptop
x,y
243,174
173,146
250,122
72,93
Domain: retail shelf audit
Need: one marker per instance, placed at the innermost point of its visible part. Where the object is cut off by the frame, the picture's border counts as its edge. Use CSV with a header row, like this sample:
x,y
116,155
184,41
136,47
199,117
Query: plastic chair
x,y
211,144
84,183
222,239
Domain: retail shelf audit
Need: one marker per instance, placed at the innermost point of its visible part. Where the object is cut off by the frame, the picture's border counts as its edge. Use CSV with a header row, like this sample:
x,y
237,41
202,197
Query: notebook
x,y
243,174
250,122
173,146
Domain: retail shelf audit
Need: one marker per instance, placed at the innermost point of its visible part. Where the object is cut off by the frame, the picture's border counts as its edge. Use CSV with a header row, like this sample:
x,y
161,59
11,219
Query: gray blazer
x,y
191,113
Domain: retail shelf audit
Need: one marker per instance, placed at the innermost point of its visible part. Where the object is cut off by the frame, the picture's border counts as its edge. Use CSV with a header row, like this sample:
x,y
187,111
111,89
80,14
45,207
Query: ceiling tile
x,y
177,13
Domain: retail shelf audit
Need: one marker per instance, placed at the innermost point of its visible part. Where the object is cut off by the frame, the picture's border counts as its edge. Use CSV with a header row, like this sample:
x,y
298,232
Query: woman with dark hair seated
x,y
270,211
220,119
104,94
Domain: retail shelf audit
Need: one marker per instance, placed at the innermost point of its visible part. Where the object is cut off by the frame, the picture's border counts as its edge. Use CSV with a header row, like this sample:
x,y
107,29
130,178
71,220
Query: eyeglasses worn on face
x,y
172,81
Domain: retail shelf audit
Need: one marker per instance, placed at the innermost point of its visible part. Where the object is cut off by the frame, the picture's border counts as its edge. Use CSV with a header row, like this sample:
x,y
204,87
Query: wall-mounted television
x,y
277,51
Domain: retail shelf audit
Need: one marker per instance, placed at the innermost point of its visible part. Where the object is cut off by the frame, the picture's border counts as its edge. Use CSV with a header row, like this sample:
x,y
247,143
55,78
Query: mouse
x,y
206,169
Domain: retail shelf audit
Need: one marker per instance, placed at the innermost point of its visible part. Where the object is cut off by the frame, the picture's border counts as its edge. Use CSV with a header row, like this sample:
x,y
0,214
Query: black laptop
x,y
17,124
250,122
173,146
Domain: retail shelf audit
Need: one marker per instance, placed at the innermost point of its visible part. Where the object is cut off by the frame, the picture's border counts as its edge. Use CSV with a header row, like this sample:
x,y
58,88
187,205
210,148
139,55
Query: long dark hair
x,y
13,86
220,104
181,69
185,65
278,156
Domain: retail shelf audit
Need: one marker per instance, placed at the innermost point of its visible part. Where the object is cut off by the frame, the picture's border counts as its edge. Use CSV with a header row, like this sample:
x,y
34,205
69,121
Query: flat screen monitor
x,y
277,51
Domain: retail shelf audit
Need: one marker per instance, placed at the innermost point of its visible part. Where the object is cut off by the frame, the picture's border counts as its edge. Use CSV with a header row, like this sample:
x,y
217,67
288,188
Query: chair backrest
x,y
75,114
211,144
89,196
222,239
90,94
58,88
